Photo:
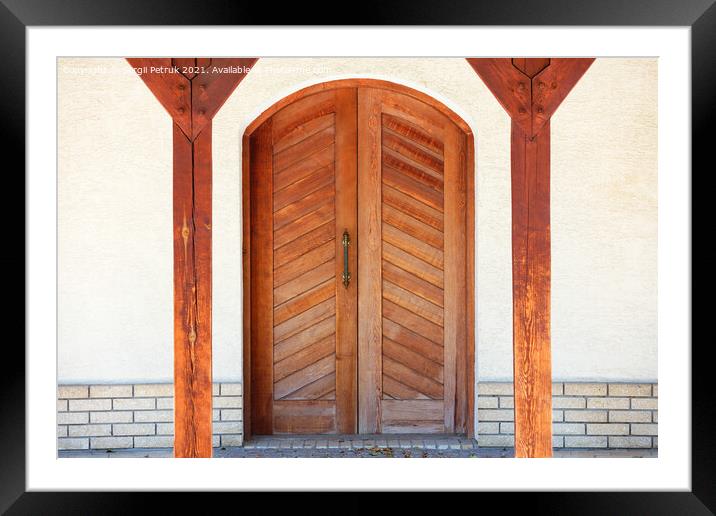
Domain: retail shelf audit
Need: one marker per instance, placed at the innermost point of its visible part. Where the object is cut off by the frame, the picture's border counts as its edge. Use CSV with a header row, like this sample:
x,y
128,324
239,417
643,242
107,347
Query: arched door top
x,y
357,83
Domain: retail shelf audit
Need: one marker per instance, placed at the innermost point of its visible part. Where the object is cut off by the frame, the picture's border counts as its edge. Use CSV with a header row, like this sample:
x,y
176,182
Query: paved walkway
x,y
364,446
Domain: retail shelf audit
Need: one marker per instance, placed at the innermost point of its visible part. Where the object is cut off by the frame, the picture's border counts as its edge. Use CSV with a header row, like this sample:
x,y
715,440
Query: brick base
x,y
137,416
585,415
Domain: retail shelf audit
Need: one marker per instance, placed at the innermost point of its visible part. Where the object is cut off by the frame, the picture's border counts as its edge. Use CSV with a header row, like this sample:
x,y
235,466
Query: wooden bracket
x,y
531,90
192,90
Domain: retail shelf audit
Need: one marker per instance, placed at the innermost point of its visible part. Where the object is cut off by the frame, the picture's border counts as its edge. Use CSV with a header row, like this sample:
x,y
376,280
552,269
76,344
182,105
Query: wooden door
x,y
380,355
303,320
411,265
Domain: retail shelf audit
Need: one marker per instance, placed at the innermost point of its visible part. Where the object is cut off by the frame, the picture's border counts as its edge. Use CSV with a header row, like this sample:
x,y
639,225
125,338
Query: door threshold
x,y
362,441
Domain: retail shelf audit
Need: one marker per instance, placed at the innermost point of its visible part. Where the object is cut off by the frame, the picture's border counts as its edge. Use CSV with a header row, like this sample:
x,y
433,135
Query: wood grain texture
x,y
347,296
313,196
455,276
469,391
172,90
192,99
370,364
530,89
511,87
246,276
304,240
550,81
209,90
262,282
192,296
531,294
530,66
423,204
387,151
552,85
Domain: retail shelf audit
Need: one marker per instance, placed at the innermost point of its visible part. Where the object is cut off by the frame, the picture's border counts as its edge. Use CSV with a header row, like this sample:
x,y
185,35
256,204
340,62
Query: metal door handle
x,y
346,273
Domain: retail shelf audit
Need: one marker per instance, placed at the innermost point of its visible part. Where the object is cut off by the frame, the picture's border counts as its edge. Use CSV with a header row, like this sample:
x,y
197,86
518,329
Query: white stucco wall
x,y
115,314
115,217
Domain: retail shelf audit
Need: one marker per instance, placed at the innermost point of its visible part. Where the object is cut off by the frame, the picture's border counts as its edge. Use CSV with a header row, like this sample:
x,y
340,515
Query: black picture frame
x,y
17,15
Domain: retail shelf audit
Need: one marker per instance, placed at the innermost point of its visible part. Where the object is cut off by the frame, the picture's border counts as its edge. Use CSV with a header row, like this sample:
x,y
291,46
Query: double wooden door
x,y
357,267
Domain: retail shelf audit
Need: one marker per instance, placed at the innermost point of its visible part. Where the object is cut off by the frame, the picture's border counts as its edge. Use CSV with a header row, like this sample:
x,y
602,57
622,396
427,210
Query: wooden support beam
x,y
531,294
530,90
192,90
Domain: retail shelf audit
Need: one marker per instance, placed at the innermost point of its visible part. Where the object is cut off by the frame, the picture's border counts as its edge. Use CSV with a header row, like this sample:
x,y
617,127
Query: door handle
x,y
346,273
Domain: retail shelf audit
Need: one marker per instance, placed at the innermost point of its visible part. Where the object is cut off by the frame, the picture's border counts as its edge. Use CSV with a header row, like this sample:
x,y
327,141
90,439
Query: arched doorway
x,y
358,264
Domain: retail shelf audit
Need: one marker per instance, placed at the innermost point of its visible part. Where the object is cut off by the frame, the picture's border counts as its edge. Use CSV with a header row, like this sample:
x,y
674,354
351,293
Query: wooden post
x,y
192,90
530,90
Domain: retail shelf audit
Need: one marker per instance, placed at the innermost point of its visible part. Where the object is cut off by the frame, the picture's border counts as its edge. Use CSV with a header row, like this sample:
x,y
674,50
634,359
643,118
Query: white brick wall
x,y
585,415
137,416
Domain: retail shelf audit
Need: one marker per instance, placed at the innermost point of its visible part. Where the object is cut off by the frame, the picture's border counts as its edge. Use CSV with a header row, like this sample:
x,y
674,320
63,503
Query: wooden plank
x,y
261,282
465,395
414,132
413,227
415,361
301,150
302,225
322,389
414,284
410,410
411,153
418,191
531,293
304,417
412,207
309,374
414,427
412,170
398,391
303,187
410,301
304,244
423,110
409,338
304,282
304,301
303,131
192,304
530,66
301,112
321,330
369,267
419,325
346,296
413,265
304,358
455,245
407,376
290,213
414,247
305,167
302,321
299,266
